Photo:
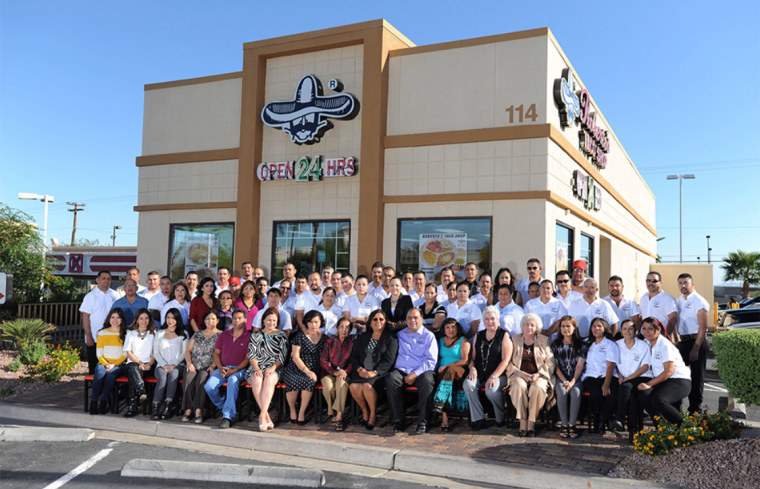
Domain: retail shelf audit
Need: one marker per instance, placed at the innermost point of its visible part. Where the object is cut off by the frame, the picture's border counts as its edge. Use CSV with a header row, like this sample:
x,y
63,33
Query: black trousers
x,y
92,358
698,370
395,386
659,400
601,406
136,376
628,403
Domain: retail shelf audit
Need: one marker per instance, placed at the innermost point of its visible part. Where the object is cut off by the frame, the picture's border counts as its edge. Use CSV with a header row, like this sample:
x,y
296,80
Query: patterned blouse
x,y
202,354
336,354
266,350
566,357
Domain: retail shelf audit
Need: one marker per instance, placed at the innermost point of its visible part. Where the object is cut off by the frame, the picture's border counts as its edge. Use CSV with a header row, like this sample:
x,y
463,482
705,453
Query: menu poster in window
x,y
439,250
202,254
561,256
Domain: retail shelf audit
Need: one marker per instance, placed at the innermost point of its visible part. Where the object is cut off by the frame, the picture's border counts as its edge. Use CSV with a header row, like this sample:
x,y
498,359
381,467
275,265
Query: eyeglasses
x,y
225,298
378,320
284,288
532,268
652,280
562,281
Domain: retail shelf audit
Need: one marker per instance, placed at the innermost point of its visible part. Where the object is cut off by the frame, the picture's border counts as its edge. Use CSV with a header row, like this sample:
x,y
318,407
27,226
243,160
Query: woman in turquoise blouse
x,y
453,356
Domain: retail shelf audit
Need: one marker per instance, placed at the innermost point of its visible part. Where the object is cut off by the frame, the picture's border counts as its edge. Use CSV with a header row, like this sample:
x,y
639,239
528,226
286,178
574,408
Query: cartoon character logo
x,y
305,117
566,98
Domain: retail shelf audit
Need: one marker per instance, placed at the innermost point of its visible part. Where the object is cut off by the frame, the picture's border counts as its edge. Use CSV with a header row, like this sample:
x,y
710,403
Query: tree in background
x,y
21,253
744,267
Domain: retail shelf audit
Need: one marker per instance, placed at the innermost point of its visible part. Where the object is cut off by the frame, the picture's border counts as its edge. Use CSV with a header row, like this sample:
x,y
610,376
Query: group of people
x,y
545,341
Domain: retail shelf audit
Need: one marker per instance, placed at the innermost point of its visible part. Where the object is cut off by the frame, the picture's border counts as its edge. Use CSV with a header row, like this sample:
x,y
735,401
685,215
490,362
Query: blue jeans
x,y
103,381
228,402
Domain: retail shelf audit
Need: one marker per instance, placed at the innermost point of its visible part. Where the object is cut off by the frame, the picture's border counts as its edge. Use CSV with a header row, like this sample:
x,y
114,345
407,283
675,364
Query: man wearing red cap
x,y
234,287
579,275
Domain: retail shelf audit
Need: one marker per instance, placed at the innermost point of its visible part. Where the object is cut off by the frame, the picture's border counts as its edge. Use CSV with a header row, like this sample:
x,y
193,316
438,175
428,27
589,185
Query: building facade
x,y
352,145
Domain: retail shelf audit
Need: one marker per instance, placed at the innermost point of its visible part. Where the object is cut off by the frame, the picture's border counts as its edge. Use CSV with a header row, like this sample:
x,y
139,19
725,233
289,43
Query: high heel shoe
x,y
270,426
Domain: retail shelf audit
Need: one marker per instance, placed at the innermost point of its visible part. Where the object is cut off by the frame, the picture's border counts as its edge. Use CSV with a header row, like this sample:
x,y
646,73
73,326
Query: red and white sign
x,y
89,263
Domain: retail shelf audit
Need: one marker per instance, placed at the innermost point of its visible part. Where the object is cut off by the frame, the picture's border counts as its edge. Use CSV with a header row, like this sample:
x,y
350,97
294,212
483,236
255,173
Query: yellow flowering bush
x,y
695,428
60,361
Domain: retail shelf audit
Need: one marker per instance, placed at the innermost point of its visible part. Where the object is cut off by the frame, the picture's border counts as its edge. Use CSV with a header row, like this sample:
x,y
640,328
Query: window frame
x,y
173,225
591,261
570,246
273,260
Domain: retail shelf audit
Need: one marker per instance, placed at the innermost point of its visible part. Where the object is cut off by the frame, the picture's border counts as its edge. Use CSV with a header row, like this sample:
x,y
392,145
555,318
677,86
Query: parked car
x,y
750,302
745,318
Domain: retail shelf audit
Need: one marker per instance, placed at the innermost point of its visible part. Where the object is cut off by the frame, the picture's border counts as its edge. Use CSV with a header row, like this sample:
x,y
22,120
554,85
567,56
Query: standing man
x,y
134,274
471,277
309,299
565,292
246,272
415,365
383,291
231,360
222,279
590,307
156,303
234,287
258,272
273,300
191,280
624,308
288,297
335,281
692,329
534,275
417,292
549,308
327,272
579,275
95,308
347,286
407,282
377,277
131,302
510,313
485,297
659,305
447,276
154,286
289,274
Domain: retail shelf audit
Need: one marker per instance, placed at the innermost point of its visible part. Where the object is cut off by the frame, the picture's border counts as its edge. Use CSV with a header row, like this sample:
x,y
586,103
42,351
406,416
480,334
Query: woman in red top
x,y
336,363
205,299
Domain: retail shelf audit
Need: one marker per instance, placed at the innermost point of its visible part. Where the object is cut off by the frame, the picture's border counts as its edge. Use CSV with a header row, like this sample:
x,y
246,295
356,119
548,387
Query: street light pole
x,y
113,236
680,178
46,199
708,248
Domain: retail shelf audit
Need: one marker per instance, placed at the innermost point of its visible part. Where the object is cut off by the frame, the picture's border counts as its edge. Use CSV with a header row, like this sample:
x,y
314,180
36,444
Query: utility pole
x,y
113,236
77,208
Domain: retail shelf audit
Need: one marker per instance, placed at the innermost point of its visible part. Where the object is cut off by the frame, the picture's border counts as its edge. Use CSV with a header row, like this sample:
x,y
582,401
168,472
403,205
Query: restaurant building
x,y
351,145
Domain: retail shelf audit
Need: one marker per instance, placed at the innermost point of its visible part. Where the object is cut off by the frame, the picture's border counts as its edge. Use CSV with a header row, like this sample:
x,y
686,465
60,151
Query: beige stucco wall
x,y
153,234
331,198
207,181
466,87
703,282
500,166
195,117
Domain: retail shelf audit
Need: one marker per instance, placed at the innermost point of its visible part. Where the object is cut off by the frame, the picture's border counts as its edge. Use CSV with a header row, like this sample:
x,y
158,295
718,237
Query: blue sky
x,y
677,82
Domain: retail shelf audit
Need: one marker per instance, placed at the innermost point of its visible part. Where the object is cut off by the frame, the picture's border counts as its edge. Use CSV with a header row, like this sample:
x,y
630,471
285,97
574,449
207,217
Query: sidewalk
x,y
589,454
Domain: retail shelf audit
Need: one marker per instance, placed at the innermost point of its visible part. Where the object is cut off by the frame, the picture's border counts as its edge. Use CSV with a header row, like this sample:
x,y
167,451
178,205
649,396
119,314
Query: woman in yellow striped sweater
x,y
110,342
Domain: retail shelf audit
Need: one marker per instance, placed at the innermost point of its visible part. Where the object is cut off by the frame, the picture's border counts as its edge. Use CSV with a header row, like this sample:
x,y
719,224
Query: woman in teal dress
x,y
453,357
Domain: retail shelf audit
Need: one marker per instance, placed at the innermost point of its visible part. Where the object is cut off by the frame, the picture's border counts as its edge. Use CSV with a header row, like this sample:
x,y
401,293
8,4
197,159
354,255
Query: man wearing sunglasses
x,y
565,292
659,305
534,275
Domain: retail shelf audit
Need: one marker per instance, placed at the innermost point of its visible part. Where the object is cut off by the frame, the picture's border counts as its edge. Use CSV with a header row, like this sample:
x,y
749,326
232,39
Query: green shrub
x,y
695,428
737,353
61,361
14,366
24,331
32,352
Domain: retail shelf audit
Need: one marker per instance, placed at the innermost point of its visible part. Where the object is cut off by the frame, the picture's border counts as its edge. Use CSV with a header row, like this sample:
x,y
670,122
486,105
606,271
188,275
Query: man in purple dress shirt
x,y
415,365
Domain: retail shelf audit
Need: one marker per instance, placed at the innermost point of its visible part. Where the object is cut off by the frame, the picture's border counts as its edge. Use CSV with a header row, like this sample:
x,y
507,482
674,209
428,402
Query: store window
x,y
311,245
432,244
587,253
200,247
564,248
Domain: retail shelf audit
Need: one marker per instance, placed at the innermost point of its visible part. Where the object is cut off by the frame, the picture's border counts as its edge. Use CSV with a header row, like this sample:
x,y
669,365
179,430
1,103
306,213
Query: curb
x,y
200,471
409,461
34,433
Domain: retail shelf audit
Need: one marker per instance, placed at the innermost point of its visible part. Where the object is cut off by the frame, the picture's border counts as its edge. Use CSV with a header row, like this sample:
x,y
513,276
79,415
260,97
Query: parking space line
x,y
83,467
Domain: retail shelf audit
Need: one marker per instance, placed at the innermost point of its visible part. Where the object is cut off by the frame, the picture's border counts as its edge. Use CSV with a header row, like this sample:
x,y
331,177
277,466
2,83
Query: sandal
x,y
186,417
339,425
574,432
522,433
564,432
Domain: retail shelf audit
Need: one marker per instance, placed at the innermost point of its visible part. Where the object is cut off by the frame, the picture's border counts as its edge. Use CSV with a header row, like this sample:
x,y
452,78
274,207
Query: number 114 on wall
x,y
519,114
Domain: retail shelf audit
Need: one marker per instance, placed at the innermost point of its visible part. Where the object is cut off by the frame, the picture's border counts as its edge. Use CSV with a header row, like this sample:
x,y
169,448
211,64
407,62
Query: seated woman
x,y
373,356
267,353
205,299
110,354
598,378
672,378
302,373
453,357
199,361
491,351
569,352
169,351
632,369
138,347
178,299
530,373
336,364
433,313
396,305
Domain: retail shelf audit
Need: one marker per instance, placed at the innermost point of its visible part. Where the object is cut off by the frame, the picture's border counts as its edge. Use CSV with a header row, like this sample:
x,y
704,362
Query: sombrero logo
x,y
304,118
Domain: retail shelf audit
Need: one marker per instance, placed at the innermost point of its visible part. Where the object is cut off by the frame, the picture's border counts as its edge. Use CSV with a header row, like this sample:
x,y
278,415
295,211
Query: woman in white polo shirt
x,y
598,378
672,378
359,306
465,311
632,369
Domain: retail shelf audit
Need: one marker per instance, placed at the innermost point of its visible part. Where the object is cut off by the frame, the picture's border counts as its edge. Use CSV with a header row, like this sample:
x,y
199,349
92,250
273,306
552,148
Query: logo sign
x,y
304,118
586,189
307,169
76,262
575,109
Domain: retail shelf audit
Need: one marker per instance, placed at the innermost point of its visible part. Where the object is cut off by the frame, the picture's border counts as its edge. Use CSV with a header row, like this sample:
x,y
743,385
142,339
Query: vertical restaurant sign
x,y
575,109
586,189
201,252
439,250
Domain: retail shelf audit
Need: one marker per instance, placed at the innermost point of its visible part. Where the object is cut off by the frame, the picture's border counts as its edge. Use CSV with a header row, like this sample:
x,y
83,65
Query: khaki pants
x,y
528,401
335,392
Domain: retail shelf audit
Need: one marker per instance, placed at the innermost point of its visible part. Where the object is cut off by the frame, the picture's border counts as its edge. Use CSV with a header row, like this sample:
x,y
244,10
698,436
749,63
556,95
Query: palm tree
x,y
739,265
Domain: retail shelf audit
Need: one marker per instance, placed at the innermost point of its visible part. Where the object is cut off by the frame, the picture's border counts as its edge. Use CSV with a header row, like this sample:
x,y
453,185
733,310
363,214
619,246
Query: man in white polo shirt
x,y
417,293
565,292
590,307
534,275
579,275
376,276
154,285
95,308
624,308
692,329
657,304
309,299
347,289
383,291
510,313
156,303
549,308
447,276
289,274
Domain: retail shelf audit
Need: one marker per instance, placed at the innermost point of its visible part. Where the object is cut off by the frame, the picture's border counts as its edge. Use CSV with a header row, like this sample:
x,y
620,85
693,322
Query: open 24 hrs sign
x,y
307,169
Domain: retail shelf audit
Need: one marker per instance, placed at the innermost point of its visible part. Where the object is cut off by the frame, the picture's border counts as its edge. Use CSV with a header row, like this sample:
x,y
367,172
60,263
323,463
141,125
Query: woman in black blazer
x,y
396,306
373,356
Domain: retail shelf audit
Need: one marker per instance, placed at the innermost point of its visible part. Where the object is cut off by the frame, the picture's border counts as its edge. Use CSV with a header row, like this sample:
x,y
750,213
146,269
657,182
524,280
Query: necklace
x,y
143,335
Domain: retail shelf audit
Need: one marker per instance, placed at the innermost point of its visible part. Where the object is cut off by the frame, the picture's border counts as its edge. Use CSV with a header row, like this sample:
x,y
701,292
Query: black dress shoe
x,y
421,428
167,411
478,425
368,426
530,433
398,427
616,426
103,407
94,407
